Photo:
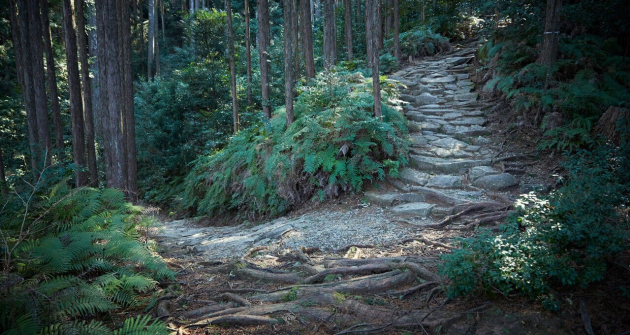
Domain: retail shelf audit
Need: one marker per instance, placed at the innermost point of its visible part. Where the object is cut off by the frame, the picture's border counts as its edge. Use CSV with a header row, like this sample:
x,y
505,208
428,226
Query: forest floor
x,y
367,263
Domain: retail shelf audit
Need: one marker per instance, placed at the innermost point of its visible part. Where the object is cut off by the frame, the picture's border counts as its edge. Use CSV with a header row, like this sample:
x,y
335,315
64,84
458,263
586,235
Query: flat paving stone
x,y
421,209
416,116
445,181
381,199
413,176
418,140
481,171
496,182
447,79
433,164
449,143
469,121
426,99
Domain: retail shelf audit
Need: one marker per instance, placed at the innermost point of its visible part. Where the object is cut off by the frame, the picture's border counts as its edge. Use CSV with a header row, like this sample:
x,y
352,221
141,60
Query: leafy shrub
x,y
69,255
335,144
564,239
420,42
387,63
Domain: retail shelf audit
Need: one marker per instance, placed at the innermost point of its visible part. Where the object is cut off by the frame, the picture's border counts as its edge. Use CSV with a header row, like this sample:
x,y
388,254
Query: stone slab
x,y
421,209
445,181
496,182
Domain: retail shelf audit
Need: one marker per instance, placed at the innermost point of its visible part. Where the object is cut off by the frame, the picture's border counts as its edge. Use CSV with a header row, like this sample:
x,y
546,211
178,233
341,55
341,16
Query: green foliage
x,y
69,254
334,145
420,42
387,63
564,239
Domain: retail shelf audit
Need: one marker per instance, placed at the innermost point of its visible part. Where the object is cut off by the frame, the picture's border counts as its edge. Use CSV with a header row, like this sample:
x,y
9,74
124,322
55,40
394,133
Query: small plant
x,y
291,295
564,239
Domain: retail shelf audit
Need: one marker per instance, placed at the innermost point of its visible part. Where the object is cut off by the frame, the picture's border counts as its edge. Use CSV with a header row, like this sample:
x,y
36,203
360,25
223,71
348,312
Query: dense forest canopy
x,y
252,108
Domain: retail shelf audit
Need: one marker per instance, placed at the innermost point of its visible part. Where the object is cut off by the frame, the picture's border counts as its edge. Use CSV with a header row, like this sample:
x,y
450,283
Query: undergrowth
x,y
561,240
70,256
334,145
420,42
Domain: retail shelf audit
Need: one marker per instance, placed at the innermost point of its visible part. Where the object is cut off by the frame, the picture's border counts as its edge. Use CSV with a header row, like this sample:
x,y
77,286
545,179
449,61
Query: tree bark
x,y
19,31
248,54
3,179
289,31
87,93
112,91
329,34
348,23
128,117
52,79
549,50
228,9
263,43
397,53
368,32
151,40
372,18
306,26
74,89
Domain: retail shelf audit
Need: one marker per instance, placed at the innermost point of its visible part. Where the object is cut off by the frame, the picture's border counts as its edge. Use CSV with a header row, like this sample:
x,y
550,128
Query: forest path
x,y
365,264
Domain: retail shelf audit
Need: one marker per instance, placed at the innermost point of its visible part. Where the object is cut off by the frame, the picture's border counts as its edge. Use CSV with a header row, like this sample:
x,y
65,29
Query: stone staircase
x,y
451,158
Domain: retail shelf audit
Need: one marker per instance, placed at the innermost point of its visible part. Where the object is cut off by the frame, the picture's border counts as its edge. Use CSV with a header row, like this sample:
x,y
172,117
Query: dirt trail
x,y
365,264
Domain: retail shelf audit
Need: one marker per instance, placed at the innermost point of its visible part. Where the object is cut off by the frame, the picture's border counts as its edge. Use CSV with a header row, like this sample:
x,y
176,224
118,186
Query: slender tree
x,y
248,54
3,179
348,24
88,113
263,43
289,31
74,88
151,40
306,27
52,78
549,50
330,57
228,9
397,52
372,18
127,113
115,90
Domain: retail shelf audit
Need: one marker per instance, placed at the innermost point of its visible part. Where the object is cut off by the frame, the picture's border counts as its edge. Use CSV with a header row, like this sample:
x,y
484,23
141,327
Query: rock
x,y
445,181
466,96
421,209
432,164
412,176
414,127
430,126
447,79
449,143
481,171
452,116
480,140
496,182
455,153
408,97
418,140
426,99
415,116
381,199
436,110
410,197
469,121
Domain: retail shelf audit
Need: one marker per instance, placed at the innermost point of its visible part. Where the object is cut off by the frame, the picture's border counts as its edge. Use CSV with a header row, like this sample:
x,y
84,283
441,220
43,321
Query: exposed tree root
x,y
405,293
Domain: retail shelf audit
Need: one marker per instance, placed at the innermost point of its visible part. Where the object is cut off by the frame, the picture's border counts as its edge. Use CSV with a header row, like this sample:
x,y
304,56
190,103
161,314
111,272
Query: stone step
x,y
434,164
420,209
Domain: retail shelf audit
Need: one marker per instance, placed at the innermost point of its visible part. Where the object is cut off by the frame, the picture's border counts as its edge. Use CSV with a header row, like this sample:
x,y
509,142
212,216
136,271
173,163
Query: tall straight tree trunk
x,y
263,43
397,53
127,114
368,31
94,66
248,54
87,93
24,58
379,23
52,78
228,9
112,90
3,179
307,37
35,36
423,13
39,87
289,31
347,4
74,88
151,41
549,50
372,18
329,34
